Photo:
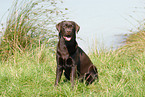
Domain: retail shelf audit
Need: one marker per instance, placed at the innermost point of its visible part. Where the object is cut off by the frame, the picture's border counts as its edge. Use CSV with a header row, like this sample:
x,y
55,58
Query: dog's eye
x,y
65,26
71,26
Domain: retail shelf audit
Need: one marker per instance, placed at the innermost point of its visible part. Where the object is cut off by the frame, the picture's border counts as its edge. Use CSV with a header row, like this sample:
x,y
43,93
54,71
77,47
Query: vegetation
x,y
29,24
33,74
135,43
29,69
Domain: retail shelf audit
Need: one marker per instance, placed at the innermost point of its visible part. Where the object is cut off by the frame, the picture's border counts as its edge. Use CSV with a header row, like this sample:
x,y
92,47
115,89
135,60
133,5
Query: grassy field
x,y
33,74
28,65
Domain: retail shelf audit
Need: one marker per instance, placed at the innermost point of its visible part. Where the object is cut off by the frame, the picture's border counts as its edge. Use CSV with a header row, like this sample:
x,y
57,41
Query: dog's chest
x,y
66,54
66,62
64,59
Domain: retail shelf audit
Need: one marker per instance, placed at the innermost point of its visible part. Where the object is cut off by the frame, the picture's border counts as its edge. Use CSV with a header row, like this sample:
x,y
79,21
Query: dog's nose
x,y
68,32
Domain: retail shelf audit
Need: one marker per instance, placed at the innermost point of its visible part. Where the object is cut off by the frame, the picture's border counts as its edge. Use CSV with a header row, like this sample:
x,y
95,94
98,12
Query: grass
x,y
30,70
29,24
33,74
135,43
26,76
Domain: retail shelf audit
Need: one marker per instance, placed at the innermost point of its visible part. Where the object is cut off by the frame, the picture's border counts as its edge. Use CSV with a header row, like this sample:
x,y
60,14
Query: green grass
x,y
26,75
28,65
33,74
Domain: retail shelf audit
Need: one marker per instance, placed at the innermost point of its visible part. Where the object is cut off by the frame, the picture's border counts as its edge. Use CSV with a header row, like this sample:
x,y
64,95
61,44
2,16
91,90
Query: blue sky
x,y
100,20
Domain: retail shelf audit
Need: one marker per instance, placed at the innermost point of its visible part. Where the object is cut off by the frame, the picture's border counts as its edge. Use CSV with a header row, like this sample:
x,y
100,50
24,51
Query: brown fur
x,y
70,57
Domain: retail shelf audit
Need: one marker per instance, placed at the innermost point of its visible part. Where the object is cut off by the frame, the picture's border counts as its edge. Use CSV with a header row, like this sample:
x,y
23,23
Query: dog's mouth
x,y
67,38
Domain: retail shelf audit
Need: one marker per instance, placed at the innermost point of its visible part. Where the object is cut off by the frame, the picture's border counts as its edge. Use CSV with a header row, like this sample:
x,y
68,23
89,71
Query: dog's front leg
x,y
59,71
73,75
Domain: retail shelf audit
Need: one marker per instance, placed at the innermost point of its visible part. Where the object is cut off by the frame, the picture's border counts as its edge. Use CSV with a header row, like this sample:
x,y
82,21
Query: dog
x,y
71,58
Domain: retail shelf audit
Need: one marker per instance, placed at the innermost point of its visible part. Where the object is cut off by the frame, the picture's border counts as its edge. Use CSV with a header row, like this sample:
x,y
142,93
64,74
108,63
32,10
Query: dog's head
x,y
67,30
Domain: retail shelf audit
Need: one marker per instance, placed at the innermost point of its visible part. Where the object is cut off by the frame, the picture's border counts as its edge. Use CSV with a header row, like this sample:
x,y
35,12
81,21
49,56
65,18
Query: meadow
x,y
33,74
28,65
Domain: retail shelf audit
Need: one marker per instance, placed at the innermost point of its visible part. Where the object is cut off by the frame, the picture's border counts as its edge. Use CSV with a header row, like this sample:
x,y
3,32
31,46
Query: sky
x,y
101,21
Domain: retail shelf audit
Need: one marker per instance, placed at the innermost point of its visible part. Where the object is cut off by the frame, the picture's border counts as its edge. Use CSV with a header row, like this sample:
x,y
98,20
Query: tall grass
x,y
134,43
33,74
30,71
29,24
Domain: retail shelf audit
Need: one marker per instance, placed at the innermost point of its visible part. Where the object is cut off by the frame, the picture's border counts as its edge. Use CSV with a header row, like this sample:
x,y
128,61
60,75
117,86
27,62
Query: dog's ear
x,y
77,27
58,26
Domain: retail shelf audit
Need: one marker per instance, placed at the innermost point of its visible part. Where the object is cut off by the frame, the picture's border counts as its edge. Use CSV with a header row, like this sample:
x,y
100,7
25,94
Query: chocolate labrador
x,y
70,57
